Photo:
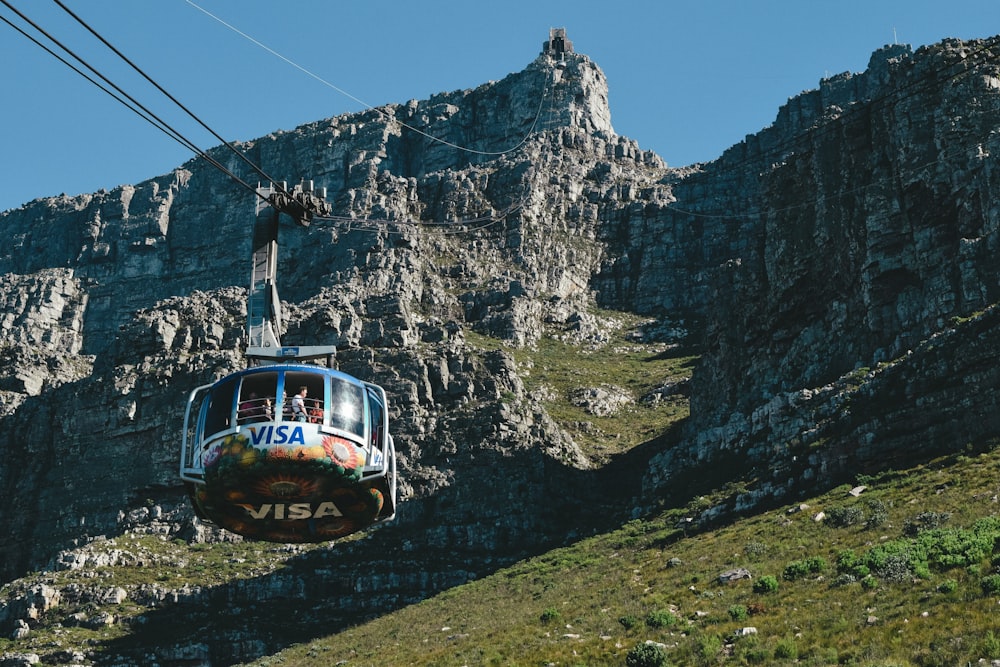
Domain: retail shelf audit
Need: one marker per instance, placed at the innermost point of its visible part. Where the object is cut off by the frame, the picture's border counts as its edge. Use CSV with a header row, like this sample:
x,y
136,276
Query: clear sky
x,y
686,79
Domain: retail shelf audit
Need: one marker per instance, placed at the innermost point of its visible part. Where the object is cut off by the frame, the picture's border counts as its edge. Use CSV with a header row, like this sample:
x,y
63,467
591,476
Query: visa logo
x,y
285,434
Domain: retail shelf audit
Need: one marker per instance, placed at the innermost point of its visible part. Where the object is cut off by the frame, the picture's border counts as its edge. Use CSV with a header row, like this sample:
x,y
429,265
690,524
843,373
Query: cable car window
x,y
257,397
191,417
304,397
220,407
347,406
377,412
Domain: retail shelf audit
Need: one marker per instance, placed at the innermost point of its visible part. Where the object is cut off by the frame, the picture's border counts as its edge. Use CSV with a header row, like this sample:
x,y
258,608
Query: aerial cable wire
x,y
378,110
173,99
139,112
146,114
162,124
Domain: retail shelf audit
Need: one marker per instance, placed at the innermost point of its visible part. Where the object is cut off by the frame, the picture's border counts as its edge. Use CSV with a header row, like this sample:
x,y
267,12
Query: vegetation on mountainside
x,y
650,377
901,572
909,579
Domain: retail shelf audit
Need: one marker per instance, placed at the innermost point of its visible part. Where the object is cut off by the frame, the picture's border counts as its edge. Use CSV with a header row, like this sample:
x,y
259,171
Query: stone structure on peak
x,y
557,45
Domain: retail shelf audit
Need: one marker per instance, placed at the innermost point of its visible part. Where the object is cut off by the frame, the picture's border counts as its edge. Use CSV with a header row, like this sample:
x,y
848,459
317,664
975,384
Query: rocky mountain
x,y
834,274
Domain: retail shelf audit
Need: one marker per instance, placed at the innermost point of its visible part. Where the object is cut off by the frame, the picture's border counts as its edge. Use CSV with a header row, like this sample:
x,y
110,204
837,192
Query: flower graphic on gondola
x,y
343,452
281,485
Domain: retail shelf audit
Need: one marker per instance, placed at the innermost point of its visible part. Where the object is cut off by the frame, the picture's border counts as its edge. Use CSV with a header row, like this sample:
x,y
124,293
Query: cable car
x,y
287,451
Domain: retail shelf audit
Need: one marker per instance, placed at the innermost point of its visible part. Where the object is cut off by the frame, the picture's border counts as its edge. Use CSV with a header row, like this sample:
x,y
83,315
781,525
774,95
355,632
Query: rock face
x,y
873,241
837,273
120,303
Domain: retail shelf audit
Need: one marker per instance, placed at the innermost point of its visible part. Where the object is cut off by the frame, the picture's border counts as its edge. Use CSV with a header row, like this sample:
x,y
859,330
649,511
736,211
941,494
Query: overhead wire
x,y
165,127
356,99
910,89
131,103
782,149
135,109
173,99
357,222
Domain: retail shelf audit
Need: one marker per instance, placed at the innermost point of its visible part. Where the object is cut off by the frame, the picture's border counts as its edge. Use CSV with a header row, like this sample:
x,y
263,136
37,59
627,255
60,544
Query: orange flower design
x,y
285,486
343,452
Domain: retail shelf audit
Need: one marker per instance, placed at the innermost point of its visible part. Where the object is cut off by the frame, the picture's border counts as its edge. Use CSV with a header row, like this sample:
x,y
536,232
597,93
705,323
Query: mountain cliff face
x,y
836,273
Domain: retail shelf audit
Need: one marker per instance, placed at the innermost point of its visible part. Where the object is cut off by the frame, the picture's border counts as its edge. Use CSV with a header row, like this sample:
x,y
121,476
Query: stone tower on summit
x,y
557,43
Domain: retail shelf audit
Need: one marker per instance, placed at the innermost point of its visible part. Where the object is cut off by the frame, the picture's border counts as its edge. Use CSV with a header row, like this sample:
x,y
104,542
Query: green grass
x,y
592,602
555,367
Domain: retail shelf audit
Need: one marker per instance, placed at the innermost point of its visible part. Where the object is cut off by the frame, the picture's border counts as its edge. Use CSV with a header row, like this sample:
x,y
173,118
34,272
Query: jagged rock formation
x,y
836,271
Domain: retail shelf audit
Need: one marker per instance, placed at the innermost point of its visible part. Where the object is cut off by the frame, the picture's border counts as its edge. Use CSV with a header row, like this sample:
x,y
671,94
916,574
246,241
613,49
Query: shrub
x,y
646,655
549,615
766,584
795,570
924,521
842,517
948,586
751,651
843,580
990,584
786,649
849,563
708,647
892,560
991,646
738,612
949,547
754,550
877,514
629,621
800,568
660,619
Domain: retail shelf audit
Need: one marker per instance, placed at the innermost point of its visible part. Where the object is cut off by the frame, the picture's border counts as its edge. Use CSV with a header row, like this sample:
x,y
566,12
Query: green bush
x,y
708,647
549,615
629,621
850,564
877,514
947,586
990,584
795,570
738,612
766,584
751,651
801,568
786,649
842,517
646,655
924,521
990,646
660,619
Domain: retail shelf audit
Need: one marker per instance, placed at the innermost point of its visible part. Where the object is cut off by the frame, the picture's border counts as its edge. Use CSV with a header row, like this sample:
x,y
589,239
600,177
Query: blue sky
x,y
686,79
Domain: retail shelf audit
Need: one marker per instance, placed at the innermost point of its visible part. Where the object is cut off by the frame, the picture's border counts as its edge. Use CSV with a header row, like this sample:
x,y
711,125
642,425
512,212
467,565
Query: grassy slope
x,y
590,603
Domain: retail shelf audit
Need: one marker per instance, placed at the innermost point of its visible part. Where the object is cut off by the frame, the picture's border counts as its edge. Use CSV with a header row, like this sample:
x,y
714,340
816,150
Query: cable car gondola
x,y
287,451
